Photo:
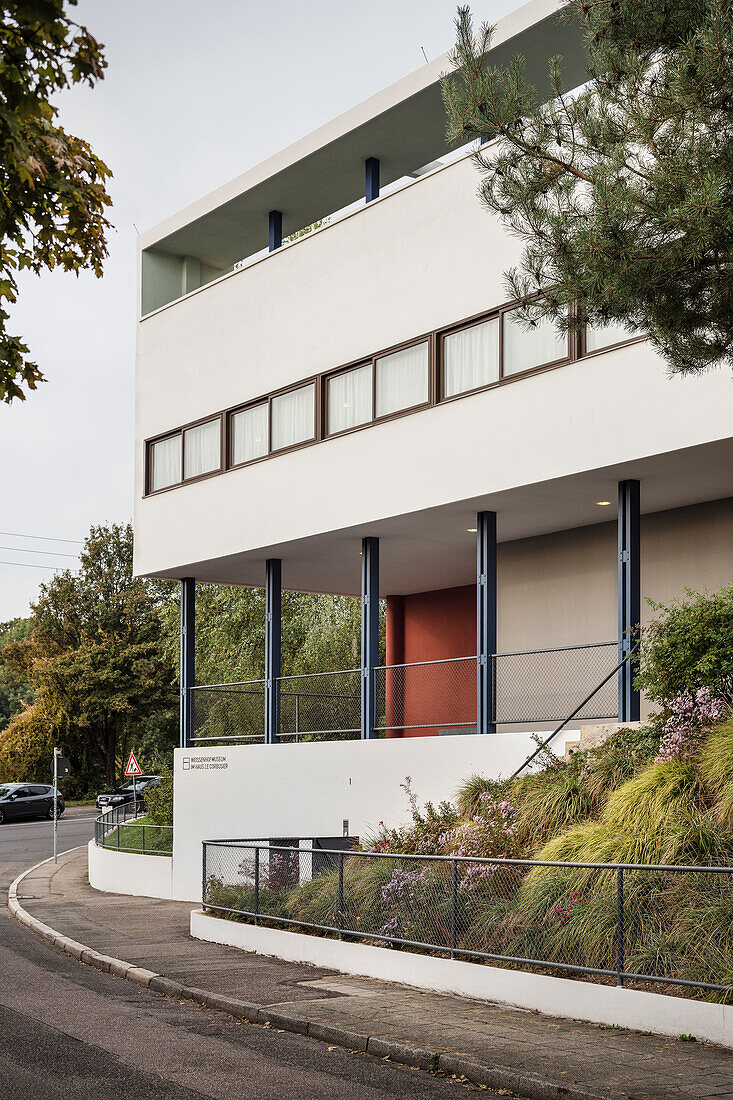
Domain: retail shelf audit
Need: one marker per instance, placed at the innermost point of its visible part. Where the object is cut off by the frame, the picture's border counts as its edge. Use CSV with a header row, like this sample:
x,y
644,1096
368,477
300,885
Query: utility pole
x,y
56,754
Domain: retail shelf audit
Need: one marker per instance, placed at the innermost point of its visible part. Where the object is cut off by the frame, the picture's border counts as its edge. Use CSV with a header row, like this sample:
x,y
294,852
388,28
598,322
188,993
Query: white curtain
x,y
350,399
524,349
471,358
202,449
293,417
602,336
249,434
402,379
165,463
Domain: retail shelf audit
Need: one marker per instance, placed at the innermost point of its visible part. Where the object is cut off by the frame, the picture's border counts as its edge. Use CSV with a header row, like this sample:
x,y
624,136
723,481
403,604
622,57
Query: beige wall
x,y
560,589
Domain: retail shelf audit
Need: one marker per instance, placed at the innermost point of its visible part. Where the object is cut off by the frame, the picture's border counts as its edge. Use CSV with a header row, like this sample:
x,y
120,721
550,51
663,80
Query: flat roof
x,y
403,126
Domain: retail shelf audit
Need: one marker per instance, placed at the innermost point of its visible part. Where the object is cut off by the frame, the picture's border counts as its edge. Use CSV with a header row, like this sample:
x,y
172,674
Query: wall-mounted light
x,y
471,530
603,503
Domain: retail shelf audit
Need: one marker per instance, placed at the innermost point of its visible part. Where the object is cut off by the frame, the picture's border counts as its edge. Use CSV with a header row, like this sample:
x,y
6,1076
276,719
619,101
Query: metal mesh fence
x,y
618,923
112,831
320,705
428,696
230,712
546,685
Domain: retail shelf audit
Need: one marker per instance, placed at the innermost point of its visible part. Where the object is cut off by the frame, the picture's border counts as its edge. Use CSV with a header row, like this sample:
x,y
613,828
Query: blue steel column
x,y
369,632
273,635
187,671
486,606
276,229
629,594
371,181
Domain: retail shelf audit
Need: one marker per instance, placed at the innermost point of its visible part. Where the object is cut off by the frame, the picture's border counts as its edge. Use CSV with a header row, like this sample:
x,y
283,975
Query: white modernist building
x,y
355,410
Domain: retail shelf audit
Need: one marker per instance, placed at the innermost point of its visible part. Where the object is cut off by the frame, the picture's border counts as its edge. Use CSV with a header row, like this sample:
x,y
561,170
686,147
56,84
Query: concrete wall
x,y
130,873
575,1000
310,789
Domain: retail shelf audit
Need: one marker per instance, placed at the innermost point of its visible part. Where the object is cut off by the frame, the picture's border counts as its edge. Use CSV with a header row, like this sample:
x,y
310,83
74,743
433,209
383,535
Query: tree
x,y
689,645
319,633
622,190
14,690
53,196
96,661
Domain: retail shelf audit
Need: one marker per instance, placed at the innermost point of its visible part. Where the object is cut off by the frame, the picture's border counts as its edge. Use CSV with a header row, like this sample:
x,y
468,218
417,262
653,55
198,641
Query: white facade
x,y
544,447
540,449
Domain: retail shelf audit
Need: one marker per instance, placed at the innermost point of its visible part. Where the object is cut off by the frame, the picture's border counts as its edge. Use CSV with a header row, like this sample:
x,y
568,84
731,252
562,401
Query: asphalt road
x,y
67,1030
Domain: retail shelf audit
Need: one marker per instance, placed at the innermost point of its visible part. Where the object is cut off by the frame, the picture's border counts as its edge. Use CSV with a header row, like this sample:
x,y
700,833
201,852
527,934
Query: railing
x,y
530,687
616,922
325,705
111,830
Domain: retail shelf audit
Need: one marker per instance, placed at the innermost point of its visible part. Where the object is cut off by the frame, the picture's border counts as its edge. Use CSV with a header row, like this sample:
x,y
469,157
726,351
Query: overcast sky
x,y
195,93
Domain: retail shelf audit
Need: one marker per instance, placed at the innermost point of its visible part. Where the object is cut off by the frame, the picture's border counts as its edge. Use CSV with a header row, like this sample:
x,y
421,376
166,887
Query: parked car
x,y
125,793
18,800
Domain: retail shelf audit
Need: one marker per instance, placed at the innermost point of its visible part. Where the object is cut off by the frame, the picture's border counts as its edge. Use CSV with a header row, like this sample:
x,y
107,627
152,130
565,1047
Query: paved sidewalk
x,y
603,1062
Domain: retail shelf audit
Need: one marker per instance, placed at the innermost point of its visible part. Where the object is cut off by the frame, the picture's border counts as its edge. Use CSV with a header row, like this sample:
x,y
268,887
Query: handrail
x,y
546,742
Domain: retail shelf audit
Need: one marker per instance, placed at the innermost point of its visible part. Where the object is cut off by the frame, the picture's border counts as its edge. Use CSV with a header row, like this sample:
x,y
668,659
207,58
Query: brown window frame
x,y
267,399
179,432
576,350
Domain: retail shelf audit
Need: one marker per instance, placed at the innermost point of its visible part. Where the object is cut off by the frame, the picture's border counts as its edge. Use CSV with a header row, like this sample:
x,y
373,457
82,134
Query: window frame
x,y
230,414
576,350
327,433
150,443
267,399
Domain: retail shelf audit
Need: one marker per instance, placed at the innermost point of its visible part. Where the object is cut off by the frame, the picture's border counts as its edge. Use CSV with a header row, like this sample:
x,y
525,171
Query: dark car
x,y
18,800
120,795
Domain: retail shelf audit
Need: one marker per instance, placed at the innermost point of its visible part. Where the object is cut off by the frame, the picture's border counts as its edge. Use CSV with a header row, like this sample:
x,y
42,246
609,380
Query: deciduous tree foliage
x,y
52,187
622,190
102,681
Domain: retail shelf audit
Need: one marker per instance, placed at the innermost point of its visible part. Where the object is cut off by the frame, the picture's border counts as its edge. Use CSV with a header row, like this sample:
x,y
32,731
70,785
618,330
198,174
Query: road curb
x,y
431,1059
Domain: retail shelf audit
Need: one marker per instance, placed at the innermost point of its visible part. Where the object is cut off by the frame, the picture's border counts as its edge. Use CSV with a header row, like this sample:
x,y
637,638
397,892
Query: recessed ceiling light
x,y
603,503
471,530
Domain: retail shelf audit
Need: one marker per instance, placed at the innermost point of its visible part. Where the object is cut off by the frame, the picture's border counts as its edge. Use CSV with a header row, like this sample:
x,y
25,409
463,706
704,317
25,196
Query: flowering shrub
x,y
408,896
422,835
690,715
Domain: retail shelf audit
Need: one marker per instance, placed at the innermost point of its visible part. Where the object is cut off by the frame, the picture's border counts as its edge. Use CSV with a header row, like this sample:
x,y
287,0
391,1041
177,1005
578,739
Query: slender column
x,y
629,594
371,171
486,605
187,672
273,648
276,229
369,632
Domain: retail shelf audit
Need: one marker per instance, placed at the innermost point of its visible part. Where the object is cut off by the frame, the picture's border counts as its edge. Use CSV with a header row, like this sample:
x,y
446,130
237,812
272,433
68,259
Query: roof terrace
x,y
397,134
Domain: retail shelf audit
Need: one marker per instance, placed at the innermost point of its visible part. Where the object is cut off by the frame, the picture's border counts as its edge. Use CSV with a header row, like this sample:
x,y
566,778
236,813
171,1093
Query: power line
x,y
30,565
41,538
46,553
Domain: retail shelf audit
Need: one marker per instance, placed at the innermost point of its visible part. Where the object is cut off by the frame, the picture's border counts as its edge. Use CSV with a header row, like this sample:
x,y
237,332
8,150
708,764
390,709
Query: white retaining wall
x,y
310,789
130,873
575,1000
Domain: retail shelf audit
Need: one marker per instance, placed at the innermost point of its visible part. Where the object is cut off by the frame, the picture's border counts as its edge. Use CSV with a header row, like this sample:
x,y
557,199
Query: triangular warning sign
x,y
133,768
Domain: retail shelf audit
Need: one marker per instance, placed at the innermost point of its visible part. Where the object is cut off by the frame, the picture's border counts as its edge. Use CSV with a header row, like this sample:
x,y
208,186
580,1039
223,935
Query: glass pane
x,y
165,463
602,336
202,449
526,349
402,379
471,358
293,417
249,434
350,399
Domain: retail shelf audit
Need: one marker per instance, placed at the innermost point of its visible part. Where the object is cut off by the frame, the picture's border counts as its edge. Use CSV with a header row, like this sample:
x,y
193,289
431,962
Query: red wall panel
x,y
431,626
